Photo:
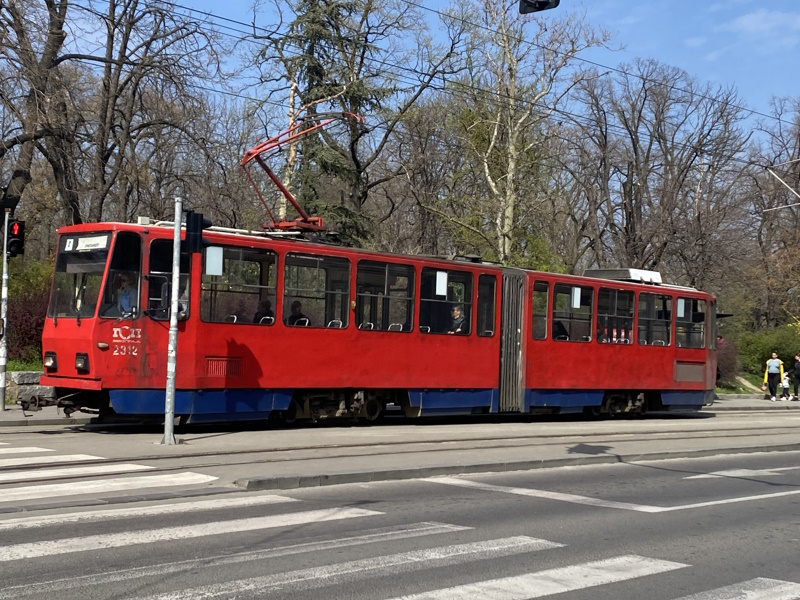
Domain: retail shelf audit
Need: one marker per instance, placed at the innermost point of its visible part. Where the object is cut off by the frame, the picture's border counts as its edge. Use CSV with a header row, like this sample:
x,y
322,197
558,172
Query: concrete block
x,y
25,377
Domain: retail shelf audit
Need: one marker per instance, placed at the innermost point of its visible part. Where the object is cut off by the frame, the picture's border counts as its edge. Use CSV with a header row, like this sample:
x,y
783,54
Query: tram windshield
x,y
78,275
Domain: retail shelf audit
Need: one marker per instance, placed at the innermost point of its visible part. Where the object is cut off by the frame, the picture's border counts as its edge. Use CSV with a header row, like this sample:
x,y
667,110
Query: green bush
x,y
28,295
728,364
756,348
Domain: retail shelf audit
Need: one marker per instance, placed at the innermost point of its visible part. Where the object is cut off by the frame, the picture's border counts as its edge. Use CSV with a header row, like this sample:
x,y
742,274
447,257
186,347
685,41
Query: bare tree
x,y
516,80
31,37
655,160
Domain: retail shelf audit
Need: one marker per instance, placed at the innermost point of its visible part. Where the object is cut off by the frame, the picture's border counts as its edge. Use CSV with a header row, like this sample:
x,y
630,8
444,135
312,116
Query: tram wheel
x,y
374,410
289,416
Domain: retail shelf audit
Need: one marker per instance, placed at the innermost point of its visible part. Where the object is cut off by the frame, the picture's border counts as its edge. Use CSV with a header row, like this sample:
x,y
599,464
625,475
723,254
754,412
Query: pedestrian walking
x,y
773,375
785,386
796,373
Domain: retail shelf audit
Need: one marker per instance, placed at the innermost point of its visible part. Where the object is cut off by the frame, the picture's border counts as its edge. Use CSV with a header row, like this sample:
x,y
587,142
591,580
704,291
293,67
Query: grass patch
x,y
24,365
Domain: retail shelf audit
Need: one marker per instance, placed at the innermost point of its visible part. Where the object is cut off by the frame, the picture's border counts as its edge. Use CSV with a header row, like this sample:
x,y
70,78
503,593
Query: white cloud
x,y
695,42
763,22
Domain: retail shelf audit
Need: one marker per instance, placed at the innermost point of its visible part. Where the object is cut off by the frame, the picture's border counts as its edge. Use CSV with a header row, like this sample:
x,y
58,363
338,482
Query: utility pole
x,y
3,311
172,348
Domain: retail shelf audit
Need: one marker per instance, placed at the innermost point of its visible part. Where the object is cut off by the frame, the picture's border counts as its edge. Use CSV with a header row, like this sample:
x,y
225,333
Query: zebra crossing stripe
x,y
144,511
25,450
46,460
56,588
128,538
73,471
554,581
364,568
57,490
755,589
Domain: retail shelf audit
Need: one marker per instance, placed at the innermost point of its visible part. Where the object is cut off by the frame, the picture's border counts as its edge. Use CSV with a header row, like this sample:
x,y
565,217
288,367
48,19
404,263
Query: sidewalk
x,y
14,416
255,458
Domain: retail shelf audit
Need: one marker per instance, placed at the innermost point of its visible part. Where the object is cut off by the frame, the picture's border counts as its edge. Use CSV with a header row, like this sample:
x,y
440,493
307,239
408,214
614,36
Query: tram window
x,y
245,292
487,300
319,289
78,275
572,313
159,282
690,323
541,295
441,292
384,296
615,316
121,291
655,319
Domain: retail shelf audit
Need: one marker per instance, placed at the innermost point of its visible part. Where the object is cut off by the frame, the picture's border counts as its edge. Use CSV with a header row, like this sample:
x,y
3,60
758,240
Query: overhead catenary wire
x,y
451,87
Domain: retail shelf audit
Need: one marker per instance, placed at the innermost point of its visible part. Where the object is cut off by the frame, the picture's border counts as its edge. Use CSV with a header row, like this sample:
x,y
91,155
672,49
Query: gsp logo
x,y
128,334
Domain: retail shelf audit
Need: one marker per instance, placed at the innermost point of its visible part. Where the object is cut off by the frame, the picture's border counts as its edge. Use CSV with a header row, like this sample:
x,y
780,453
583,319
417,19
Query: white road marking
x,y
140,511
743,473
755,589
55,490
575,499
150,536
364,568
46,460
370,536
25,450
73,471
554,581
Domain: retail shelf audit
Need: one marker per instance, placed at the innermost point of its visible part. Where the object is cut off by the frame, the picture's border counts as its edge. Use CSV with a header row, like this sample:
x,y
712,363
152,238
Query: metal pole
x,y
3,311
172,348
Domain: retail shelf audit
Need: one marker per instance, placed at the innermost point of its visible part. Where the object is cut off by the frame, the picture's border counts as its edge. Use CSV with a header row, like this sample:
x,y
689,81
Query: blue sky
x,y
754,45
751,44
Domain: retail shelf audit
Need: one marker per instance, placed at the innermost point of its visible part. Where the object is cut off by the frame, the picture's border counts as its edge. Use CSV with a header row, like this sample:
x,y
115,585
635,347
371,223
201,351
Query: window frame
x,y
334,301
649,323
540,319
486,306
434,311
249,294
619,321
682,323
380,304
575,317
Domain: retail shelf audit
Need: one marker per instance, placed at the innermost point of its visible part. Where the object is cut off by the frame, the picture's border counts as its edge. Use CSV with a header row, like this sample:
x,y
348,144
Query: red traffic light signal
x,y
15,237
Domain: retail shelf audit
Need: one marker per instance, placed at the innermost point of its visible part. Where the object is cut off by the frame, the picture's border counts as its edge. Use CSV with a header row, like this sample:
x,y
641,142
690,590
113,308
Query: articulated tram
x,y
271,326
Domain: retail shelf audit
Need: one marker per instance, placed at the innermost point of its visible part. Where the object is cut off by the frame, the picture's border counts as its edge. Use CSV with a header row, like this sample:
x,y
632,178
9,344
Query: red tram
x,y
368,330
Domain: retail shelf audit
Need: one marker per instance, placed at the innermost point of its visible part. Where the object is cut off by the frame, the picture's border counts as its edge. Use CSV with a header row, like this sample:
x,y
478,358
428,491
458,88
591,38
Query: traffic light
x,y
15,240
195,223
530,6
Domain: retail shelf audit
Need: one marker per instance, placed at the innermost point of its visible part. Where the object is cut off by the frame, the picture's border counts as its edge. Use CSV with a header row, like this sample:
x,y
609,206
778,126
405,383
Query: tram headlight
x,y
82,362
50,362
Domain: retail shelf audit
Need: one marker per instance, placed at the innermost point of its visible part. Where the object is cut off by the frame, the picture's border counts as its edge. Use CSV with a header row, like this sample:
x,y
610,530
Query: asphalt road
x,y
710,528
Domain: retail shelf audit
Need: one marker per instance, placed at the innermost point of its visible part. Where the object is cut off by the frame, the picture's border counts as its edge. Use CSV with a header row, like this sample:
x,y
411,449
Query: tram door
x,y
511,359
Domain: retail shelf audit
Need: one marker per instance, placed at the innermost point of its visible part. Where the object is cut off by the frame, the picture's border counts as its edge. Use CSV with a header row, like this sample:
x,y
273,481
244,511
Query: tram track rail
x,y
267,456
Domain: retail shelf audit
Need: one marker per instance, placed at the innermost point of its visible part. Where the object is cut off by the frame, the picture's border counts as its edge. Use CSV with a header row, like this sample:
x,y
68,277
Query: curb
x,y
30,421
303,481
